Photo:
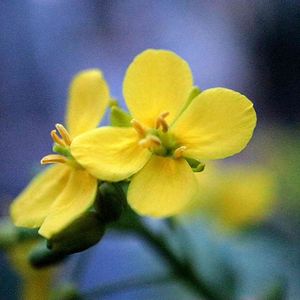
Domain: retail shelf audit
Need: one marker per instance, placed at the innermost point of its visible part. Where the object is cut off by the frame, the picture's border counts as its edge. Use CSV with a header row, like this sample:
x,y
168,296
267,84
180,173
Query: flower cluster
x,y
171,129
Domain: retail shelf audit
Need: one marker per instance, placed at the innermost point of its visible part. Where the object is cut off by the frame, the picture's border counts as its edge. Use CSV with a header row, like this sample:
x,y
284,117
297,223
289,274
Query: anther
x,y
53,158
150,141
161,122
64,134
140,129
179,152
56,139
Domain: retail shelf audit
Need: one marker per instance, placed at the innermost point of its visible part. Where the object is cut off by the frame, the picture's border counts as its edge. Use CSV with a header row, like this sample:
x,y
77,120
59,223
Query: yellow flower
x,y
36,284
61,193
235,196
165,131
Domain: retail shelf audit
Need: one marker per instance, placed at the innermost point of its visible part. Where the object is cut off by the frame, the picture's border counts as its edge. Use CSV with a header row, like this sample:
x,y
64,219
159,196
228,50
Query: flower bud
x,y
193,94
8,234
11,235
81,234
110,202
197,166
119,117
41,256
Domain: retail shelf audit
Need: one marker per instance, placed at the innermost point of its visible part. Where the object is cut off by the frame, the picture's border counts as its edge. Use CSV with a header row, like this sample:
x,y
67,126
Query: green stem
x,y
182,269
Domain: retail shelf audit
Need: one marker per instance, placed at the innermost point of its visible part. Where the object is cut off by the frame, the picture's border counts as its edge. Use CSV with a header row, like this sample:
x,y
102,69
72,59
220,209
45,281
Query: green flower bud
x,y
119,117
196,165
11,235
83,233
193,94
110,202
8,234
41,256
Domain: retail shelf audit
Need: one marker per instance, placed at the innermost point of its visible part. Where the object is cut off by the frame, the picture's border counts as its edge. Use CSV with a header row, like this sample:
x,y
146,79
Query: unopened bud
x,y
41,256
8,234
119,117
197,166
11,235
81,234
193,94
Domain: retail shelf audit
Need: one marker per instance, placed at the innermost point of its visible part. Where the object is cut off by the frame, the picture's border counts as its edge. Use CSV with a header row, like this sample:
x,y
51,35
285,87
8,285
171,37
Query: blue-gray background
x,y
249,46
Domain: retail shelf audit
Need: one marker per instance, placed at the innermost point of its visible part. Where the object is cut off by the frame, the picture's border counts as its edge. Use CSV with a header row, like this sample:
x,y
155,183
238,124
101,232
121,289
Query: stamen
x,y
56,139
53,158
161,122
164,114
179,152
140,129
150,141
64,134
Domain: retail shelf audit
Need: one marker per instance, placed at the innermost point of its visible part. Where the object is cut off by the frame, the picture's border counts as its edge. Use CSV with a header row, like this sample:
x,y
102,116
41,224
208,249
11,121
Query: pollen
x,y
53,158
140,129
179,152
161,122
64,134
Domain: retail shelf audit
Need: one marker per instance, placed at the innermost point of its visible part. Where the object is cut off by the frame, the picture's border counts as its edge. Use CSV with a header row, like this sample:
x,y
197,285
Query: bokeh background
x,y
249,46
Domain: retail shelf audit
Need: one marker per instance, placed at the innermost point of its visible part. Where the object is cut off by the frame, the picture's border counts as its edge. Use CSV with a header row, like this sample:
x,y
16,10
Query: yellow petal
x,y
157,81
163,187
246,196
31,207
218,123
78,195
88,99
110,153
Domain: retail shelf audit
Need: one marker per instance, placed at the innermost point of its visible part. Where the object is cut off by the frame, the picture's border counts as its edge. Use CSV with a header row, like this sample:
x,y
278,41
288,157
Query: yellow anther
x,y
161,122
56,139
179,152
64,134
53,158
150,141
140,129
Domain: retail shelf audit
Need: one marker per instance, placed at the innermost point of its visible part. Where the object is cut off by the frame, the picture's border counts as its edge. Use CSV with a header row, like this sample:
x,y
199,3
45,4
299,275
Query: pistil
x,y
150,142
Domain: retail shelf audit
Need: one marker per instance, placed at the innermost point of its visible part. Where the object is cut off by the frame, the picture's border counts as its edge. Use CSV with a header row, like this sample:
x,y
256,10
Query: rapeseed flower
x,y
234,196
61,193
168,128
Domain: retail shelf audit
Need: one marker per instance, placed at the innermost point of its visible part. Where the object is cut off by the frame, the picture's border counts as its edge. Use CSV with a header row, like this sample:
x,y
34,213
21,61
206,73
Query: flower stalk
x,y
182,269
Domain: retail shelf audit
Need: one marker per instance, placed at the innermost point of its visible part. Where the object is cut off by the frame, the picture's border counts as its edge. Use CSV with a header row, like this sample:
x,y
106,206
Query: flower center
x,y
62,141
159,140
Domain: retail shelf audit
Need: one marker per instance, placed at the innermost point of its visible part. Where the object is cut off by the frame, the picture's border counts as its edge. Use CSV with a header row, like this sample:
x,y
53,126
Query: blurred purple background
x,y
249,46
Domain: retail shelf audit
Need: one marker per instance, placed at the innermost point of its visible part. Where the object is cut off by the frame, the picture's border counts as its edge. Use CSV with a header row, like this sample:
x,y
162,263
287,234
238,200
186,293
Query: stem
x,y
182,269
